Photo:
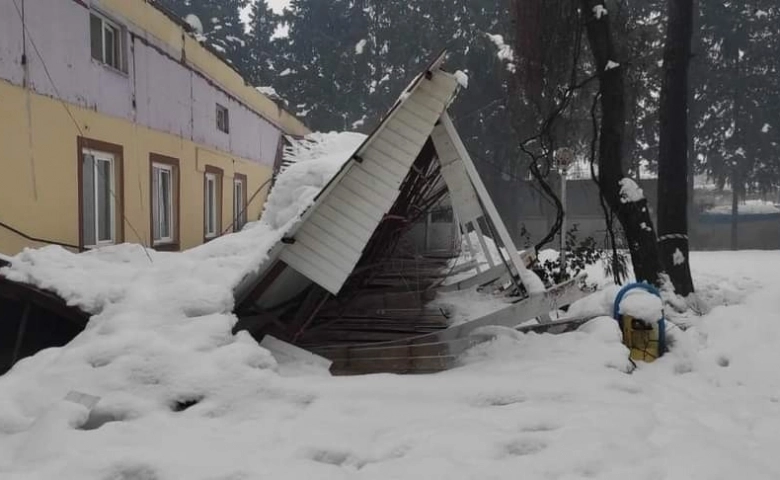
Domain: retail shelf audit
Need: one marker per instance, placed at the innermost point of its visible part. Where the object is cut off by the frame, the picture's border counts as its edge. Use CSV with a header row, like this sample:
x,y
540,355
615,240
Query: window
x,y
239,202
106,41
223,119
164,202
212,198
99,193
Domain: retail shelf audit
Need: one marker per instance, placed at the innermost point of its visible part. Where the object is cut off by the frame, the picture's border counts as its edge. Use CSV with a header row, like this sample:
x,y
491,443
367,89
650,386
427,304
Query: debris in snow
x,y
599,11
611,65
645,227
642,306
360,46
678,258
194,22
630,191
462,78
765,128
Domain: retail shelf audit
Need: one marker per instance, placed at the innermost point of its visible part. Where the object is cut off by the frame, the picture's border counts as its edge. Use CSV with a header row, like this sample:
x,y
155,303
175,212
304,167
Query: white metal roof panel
x,y
354,204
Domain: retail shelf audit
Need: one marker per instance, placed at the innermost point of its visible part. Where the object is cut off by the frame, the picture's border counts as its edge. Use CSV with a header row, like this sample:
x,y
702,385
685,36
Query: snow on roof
x,y
161,332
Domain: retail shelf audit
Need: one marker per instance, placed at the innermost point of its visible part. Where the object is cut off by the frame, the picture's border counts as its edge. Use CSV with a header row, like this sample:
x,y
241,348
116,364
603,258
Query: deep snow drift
x,y
522,406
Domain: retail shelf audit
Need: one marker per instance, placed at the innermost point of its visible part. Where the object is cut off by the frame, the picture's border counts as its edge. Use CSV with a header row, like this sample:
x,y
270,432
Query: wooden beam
x,y
530,281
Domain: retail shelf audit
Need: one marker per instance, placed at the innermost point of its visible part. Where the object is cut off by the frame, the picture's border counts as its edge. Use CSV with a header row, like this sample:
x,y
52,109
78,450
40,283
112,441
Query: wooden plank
x,y
530,281
483,244
393,365
285,352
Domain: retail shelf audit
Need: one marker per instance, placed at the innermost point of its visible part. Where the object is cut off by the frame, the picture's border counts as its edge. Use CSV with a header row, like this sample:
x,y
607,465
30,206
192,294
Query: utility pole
x,y
563,159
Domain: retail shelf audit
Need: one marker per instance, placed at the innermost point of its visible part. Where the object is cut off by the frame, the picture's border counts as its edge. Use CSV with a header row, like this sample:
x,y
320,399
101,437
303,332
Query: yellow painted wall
x,y
39,174
156,23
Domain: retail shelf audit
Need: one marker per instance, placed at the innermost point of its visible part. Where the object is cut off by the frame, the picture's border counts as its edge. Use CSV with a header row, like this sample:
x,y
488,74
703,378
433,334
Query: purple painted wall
x,y
168,96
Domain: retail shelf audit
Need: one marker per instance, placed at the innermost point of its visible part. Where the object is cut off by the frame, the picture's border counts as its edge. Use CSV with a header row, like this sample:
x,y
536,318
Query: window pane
x,y
165,204
210,207
96,37
88,199
105,215
110,45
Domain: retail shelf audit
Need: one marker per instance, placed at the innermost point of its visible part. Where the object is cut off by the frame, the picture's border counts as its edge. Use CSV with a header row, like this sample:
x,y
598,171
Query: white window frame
x,y
239,208
211,215
99,156
157,169
119,42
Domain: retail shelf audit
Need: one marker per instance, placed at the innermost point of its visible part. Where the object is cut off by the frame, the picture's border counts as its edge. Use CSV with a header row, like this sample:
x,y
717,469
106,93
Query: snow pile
x,y
269,92
462,78
311,163
194,22
642,306
505,51
360,46
160,341
180,398
749,207
630,191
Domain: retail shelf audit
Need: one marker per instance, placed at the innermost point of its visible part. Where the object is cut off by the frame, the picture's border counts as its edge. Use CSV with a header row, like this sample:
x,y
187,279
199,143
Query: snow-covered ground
x,y
522,406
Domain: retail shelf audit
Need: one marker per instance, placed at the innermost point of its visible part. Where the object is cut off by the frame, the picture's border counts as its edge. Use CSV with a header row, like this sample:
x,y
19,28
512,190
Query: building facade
x,y
117,125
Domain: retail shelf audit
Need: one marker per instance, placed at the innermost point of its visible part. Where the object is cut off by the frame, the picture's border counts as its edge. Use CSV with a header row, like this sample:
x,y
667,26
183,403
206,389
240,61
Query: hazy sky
x,y
276,5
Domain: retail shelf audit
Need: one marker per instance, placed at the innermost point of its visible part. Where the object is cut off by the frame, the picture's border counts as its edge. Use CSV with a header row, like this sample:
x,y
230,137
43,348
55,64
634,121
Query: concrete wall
x,y
163,103
522,205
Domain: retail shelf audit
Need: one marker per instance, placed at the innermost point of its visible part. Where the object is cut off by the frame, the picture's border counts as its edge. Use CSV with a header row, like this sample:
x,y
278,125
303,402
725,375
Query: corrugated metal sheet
x,y
331,239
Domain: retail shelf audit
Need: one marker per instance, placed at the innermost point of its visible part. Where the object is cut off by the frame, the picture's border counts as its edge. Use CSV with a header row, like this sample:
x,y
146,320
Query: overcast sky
x,y
276,5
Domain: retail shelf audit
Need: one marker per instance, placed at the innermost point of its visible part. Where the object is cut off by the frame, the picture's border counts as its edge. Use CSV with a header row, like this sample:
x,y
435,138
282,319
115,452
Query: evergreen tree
x,y
222,27
261,55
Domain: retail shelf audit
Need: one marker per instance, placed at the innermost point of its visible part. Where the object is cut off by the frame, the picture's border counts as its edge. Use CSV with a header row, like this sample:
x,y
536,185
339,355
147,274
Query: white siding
x,y
331,240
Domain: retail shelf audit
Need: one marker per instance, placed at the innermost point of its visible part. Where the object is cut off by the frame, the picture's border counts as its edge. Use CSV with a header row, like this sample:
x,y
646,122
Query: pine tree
x,y
261,55
222,27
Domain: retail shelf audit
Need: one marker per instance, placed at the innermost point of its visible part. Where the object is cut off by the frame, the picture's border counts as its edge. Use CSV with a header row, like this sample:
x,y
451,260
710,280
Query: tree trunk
x,y
673,148
634,216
